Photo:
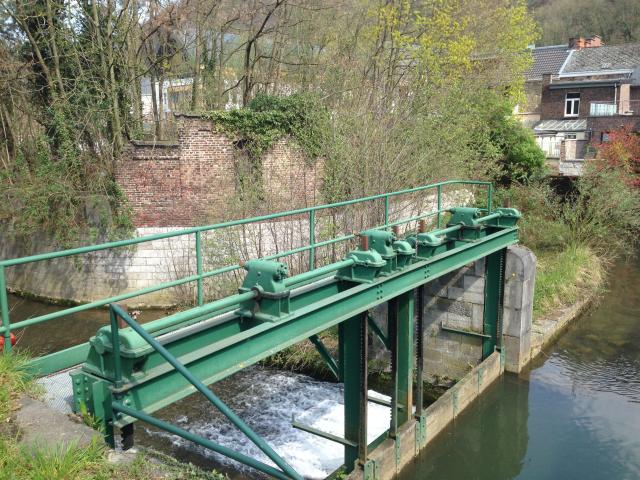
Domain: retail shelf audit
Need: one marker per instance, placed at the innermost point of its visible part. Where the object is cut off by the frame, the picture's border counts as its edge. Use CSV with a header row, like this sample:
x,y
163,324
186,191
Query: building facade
x,y
577,94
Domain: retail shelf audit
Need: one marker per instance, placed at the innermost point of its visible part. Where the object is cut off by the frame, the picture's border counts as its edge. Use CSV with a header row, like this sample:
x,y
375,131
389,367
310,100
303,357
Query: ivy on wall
x,y
266,119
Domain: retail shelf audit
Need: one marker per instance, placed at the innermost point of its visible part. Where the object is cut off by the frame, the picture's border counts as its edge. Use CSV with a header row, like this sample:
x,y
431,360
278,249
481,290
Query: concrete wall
x,y
456,301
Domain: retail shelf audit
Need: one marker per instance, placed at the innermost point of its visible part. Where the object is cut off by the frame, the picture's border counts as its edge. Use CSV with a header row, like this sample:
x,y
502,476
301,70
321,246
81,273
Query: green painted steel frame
x,y
333,302
311,314
67,358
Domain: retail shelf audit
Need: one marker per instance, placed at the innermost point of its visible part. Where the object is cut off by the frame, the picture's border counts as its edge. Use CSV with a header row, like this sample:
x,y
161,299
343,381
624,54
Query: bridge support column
x,y
493,296
401,330
355,369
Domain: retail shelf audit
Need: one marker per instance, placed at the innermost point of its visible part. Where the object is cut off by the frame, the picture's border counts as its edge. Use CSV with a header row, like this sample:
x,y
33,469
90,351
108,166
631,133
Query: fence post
x,y
115,343
312,239
4,311
386,210
490,198
199,267
439,205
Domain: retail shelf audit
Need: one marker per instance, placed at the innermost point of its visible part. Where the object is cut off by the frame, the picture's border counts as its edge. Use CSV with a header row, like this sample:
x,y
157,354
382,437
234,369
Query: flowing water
x,y
574,415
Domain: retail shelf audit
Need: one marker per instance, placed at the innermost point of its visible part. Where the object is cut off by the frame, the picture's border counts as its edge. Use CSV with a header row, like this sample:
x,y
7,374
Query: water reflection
x,y
60,333
575,415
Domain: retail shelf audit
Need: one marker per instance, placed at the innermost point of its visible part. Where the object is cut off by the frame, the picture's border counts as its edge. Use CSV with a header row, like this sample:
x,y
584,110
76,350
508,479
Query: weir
x,y
128,371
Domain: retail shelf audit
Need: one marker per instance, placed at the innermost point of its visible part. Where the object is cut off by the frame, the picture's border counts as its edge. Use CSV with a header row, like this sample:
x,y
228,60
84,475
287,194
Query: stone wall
x,y
193,181
455,301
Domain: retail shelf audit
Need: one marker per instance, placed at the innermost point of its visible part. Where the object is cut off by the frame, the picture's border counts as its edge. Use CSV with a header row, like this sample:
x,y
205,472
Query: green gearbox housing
x,y
266,278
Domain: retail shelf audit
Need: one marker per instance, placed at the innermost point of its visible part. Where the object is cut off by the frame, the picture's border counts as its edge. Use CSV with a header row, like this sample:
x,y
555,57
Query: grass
x,y
27,462
564,276
14,381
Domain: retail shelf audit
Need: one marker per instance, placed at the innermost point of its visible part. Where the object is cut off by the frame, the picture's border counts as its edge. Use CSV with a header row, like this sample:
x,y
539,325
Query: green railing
x,y
201,275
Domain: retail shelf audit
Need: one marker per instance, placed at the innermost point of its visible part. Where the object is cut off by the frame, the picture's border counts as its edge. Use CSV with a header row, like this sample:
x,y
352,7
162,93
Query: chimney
x,y
578,43
593,41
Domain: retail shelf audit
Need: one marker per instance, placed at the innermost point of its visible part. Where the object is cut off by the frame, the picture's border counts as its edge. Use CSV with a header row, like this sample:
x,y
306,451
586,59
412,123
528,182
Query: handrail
x,y
117,312
6,326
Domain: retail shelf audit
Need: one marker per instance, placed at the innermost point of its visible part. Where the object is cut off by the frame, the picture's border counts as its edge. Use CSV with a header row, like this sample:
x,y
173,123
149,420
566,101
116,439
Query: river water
x,y
574,415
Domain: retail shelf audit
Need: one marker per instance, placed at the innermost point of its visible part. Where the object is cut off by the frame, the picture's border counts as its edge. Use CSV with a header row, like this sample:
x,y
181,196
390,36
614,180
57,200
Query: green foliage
x,y
615,21
604,212
50,193
268,118
521,159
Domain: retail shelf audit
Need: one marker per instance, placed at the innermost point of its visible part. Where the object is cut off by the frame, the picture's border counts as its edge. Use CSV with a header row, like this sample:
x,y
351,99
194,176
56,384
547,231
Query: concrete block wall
x,y
455,300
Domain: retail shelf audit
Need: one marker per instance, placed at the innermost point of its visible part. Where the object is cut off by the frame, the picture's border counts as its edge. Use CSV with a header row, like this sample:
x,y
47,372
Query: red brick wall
x,y
552,104
192,181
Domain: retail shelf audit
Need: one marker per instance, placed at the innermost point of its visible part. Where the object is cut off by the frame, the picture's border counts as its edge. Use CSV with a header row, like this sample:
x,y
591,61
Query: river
x,y
574,415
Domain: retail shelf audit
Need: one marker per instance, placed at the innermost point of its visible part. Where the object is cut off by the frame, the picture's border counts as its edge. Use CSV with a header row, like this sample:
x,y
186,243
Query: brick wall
x,y
192,181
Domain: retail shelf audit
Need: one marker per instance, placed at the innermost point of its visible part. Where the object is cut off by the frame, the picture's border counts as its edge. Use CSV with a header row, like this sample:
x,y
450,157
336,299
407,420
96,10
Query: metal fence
x,y
384,204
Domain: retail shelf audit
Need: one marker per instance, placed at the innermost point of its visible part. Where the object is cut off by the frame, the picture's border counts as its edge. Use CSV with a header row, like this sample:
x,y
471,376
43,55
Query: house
x,y
596,90
546,60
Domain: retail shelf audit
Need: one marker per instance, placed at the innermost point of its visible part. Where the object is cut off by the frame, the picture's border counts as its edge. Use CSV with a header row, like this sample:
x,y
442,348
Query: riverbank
x,y
78,457
568,283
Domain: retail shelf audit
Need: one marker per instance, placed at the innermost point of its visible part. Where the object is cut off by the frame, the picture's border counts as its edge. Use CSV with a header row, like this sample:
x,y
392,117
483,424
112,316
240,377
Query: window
x,y
570,136
604,137
572,105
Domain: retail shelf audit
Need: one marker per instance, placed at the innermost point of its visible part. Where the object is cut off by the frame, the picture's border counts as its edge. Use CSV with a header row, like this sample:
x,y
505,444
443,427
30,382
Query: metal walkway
x,y
129,371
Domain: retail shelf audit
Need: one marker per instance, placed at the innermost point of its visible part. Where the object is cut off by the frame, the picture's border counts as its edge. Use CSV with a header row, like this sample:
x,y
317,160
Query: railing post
x,y
490,198
115,343
312,239
4,311
386,210
199,267
439,205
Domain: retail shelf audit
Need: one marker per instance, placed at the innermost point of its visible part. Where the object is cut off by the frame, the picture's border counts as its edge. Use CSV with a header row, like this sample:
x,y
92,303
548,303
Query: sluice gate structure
x,y
128,371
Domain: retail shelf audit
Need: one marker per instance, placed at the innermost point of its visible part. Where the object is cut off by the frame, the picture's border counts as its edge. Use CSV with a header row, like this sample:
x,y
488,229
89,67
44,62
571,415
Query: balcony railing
x,y
611,108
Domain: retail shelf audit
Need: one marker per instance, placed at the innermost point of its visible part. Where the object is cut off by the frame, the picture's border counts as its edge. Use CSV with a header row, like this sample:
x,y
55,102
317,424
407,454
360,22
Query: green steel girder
x,y
237,342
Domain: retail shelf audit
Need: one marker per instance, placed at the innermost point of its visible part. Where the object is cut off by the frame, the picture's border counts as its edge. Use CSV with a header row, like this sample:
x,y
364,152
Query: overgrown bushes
x,y
577,235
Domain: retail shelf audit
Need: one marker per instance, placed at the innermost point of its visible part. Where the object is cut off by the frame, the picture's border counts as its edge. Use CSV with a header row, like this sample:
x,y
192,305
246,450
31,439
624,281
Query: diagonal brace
x,y
219,404
378,331
326,355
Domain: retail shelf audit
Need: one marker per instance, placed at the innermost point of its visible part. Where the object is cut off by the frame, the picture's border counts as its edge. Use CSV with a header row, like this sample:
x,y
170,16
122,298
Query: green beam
x,y
55,362
355,391
245,343
493,291
404,356
378,331
326,355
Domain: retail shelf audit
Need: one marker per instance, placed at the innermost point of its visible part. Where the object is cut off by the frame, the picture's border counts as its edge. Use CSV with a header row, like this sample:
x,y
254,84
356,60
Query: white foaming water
x,y
267,401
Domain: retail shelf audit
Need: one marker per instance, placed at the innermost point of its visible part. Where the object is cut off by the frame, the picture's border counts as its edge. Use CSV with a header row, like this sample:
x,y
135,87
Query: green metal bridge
x,y
128,371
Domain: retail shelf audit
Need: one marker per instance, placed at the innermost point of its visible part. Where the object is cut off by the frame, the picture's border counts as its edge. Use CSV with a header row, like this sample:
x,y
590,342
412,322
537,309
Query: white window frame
x,y
575,104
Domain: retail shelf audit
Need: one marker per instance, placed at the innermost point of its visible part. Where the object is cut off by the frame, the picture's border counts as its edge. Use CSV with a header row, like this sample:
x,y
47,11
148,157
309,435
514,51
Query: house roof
x,y
577,125
547,60
603,59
